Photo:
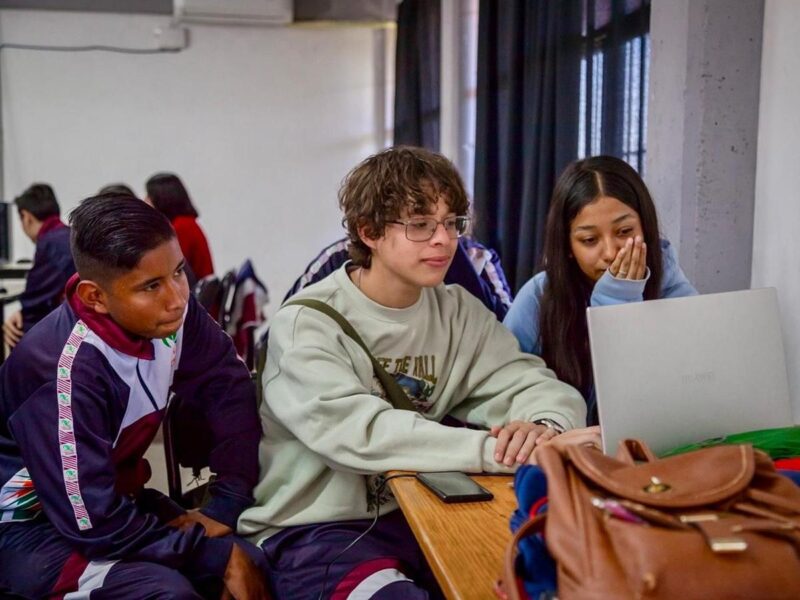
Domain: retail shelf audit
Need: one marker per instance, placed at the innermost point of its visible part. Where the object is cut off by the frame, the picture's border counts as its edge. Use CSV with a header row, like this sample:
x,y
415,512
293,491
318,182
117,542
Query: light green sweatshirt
x,y
326,424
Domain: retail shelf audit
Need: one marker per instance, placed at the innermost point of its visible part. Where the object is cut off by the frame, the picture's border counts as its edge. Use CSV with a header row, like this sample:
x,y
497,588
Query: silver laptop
x,y
678,371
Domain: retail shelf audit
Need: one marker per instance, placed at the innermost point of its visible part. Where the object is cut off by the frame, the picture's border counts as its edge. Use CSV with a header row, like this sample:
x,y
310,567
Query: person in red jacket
x,y
167,194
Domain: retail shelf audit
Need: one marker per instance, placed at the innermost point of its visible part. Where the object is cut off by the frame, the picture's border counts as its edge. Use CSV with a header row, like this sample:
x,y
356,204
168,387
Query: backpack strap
x,y
396,396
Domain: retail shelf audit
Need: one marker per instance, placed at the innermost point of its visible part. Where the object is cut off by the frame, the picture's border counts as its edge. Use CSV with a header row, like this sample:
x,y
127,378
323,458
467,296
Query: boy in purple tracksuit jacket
x,y
81,398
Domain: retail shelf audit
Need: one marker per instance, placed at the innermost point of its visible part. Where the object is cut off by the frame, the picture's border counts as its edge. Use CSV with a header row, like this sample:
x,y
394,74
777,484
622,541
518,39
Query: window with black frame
x,y
557,80
615,37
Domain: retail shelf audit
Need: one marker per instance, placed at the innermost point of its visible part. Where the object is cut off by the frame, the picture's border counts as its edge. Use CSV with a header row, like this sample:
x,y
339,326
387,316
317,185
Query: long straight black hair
x,y
169,195
564,336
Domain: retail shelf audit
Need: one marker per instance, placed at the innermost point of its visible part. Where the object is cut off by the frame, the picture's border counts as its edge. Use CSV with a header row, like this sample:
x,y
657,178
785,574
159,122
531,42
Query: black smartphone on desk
x,y
453,486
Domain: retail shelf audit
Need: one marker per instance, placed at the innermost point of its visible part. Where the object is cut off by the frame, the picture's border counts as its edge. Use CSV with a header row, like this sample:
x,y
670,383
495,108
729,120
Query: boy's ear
x,y
92,295
363,233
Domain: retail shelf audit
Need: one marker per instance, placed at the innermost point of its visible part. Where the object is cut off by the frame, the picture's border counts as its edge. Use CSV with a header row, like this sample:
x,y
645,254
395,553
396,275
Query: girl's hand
x,y
631,261
517,440
586,436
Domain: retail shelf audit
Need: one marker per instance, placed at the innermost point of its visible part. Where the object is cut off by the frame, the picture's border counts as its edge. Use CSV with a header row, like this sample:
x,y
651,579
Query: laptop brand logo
x,y
697,378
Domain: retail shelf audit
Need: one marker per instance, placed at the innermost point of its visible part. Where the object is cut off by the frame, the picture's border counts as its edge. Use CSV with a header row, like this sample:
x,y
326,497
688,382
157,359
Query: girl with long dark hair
x,y
602,247
168,195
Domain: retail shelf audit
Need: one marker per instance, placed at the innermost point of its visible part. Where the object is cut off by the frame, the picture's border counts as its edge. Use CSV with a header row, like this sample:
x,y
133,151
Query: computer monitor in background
x,y
6,212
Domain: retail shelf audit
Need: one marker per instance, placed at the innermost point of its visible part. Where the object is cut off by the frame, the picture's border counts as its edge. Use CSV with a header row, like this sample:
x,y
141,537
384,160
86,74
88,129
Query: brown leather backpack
x,y
714,523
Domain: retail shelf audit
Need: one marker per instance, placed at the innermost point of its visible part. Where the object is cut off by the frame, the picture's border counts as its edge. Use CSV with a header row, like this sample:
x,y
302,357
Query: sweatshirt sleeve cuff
x,y
225,509
610,290
490,465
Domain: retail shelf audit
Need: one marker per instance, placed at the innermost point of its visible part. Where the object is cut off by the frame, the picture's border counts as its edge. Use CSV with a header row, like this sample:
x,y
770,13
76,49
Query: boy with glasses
x,y
331,430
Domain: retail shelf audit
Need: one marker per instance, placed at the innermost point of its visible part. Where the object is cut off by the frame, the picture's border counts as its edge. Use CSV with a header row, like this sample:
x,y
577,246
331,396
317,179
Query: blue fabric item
x,y
535,566
793,475
44,285
523,316
488,283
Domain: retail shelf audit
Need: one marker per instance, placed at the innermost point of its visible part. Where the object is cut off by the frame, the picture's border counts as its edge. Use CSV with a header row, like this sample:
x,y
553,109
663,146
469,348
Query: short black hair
x,y
169,195
116,188
39,200
111,233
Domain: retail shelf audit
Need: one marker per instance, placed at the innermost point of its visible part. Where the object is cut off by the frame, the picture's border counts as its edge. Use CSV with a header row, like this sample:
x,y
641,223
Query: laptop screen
x,y
678,371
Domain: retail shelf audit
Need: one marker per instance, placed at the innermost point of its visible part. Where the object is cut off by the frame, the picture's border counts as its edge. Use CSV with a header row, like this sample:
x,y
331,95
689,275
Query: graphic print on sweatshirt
x,y
415,374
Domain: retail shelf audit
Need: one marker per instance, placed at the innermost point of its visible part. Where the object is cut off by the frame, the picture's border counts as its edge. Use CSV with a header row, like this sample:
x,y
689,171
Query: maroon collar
x,y
50,224
106,328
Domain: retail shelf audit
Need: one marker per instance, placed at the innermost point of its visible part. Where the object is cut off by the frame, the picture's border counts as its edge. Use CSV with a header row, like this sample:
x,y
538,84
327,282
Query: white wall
x,y
776,244
260,123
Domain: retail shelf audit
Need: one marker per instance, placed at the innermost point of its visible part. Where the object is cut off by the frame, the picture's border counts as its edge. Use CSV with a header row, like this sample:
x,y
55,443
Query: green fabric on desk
x,y
782,442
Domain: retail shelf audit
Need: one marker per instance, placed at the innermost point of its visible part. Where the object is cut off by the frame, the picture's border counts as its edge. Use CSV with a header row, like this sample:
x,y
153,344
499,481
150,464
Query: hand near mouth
x,y
631,261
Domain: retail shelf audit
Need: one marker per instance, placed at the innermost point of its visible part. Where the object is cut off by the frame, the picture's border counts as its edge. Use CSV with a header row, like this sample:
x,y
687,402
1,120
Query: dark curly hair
x,y
403,177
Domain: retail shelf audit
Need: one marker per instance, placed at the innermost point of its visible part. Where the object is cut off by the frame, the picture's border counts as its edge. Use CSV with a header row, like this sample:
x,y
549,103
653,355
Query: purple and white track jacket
x,y
80,402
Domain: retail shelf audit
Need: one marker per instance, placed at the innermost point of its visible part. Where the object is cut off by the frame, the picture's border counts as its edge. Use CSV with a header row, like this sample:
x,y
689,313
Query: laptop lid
x,y
678,371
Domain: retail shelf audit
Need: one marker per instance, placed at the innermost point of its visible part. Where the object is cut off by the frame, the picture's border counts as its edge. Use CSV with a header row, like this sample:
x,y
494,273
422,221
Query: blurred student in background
x,y
167,194
52,261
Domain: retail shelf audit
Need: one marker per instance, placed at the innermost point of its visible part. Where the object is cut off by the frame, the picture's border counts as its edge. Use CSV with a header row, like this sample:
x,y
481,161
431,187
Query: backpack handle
x,y
633,452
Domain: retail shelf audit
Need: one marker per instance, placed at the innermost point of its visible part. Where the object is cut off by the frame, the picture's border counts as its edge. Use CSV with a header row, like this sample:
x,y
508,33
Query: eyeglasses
x,y
421,229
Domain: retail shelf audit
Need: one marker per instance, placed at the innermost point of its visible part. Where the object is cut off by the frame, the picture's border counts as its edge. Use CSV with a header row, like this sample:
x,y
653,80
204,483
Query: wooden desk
x,y
463,543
